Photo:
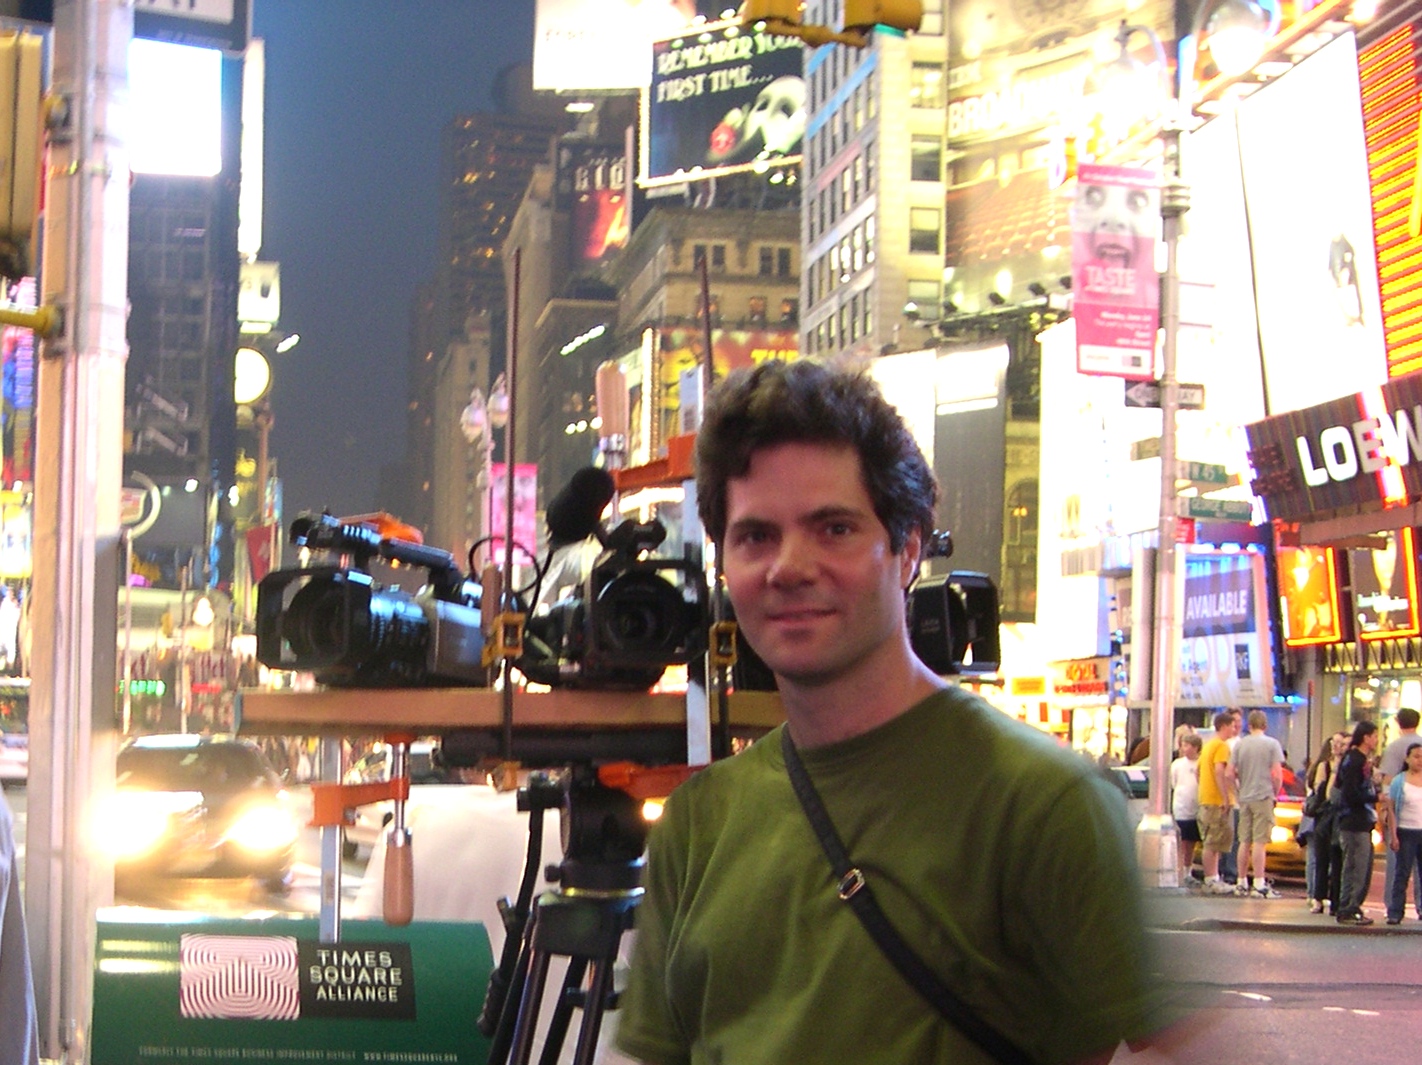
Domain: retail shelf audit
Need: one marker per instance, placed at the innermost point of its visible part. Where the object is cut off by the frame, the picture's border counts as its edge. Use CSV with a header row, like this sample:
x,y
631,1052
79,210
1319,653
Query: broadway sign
x,y
1360,452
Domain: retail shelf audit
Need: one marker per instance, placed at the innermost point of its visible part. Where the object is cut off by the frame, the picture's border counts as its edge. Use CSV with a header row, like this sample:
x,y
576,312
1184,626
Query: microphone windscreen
x,y
575,512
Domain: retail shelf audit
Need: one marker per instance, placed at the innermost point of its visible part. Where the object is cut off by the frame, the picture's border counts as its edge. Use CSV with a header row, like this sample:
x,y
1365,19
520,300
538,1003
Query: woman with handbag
x,y
1324,859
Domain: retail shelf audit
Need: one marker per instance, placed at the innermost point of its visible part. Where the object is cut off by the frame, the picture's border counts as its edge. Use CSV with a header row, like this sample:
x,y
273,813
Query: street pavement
x,y
1191,910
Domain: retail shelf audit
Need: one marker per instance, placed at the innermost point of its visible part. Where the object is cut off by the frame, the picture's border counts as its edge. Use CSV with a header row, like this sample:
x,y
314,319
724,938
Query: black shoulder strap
x,y
853,889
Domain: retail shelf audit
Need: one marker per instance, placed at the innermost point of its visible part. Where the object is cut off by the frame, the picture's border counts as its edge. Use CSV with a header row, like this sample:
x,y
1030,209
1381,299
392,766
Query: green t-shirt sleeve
x,y
1097,965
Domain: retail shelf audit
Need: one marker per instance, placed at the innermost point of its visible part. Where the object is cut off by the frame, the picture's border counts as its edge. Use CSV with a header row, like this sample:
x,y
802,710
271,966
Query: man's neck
x,y
853,705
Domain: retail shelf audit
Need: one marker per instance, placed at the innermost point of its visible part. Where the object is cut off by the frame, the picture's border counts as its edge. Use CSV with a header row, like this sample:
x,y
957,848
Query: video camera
x,y
631,617
338,623
953,617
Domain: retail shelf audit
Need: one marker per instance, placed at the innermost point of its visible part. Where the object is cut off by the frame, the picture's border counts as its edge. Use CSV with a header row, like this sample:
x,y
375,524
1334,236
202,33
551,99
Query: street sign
x,y
1147,394
1204,473
1149,448
1214,509
225,24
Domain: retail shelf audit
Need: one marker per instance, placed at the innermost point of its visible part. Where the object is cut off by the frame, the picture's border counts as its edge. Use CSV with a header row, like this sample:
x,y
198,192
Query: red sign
x,y
1116,301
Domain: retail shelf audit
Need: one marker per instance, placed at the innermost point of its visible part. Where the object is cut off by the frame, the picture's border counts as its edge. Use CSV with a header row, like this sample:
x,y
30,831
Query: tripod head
x,y
603,830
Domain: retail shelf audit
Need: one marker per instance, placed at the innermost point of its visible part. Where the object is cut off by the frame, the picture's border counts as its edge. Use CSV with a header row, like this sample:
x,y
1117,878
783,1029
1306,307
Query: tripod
x,y
583,920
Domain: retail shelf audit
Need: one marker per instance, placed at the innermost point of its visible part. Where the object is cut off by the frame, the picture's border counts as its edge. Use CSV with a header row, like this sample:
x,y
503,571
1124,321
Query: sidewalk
x,y
1196,912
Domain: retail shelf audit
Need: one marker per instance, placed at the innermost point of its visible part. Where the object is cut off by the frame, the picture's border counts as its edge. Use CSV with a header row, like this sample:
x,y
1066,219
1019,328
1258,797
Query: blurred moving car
x,y
190,805
373,767
14,758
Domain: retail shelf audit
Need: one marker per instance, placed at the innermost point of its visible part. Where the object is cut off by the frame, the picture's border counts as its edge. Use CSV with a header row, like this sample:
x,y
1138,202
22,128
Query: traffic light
x,y
753,11
21,138
863,15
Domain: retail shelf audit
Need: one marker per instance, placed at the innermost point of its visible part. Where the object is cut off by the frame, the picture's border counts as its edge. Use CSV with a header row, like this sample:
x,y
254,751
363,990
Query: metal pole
x,y
1156,839
77,556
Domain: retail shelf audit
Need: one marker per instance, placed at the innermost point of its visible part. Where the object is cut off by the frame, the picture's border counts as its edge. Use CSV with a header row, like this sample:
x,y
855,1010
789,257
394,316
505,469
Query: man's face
x,y
808,566
1370,743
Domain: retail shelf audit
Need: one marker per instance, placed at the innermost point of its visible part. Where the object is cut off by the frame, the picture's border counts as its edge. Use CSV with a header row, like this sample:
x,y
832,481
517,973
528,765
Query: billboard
x,y
17,390
1114,222
1308,596
1315,269
1384,586
175,100
722,101
602,45
594,187
1225,655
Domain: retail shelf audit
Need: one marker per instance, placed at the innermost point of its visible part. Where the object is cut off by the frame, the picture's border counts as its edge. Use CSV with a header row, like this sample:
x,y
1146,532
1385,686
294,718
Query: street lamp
x,y
477,422
1156,838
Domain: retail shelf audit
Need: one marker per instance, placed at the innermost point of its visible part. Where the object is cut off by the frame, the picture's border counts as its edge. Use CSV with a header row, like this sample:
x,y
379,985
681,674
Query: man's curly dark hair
x,y
806,402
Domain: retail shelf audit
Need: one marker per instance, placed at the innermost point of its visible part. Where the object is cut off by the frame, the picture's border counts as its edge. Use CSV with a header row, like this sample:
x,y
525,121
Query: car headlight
x,y
136,822
263,826
1281,834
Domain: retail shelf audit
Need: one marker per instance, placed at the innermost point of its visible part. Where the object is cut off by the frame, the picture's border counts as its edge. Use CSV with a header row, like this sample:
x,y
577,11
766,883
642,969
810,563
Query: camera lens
x,y
640,615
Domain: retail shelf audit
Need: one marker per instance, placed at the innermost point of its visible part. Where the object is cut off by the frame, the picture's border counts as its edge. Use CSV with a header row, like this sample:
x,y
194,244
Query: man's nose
x,y
792,562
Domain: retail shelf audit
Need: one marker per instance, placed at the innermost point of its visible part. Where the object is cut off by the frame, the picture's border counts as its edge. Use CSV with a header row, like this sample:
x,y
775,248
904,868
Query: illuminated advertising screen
x,y
1315,270
525,512
721,101
602,45
175,98
1384,586
1225,654
734,349
1388,77
17,372
1308,596
593,186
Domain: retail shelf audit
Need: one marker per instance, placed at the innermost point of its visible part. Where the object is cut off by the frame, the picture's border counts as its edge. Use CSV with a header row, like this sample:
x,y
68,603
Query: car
x,y
199,806
14,758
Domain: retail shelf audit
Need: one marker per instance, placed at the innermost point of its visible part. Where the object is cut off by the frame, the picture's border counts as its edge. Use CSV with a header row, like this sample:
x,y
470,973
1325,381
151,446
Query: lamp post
x,y
1157,841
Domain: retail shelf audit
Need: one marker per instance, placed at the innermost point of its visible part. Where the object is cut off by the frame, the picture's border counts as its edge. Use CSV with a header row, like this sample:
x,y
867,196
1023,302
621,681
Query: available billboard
x,y
1225,652
601,45
722,100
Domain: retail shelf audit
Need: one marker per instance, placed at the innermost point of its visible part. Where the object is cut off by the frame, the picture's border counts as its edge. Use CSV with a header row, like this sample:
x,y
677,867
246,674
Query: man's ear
x,y
910,557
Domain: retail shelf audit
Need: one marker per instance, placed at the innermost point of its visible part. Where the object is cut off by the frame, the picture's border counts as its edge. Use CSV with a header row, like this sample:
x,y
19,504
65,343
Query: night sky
x,y
358,92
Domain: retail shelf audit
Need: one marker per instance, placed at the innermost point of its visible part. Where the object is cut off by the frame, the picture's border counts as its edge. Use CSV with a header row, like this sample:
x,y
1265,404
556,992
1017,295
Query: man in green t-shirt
x,y
1004,861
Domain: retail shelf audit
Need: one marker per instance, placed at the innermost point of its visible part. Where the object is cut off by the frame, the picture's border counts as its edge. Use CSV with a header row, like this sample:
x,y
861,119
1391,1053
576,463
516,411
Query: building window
x,y
923,229
868,321
869,239
845,263
869,167
790,311
698,252
858,241
767,261
858,176
782,262
926,85
718,256
927,296
843,323
926,163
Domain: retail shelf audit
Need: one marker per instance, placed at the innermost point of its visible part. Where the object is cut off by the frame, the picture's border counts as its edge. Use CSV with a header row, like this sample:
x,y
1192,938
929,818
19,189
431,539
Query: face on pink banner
x,y
1113,244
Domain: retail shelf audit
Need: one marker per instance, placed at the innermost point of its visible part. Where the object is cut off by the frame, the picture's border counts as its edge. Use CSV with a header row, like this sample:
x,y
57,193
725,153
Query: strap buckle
x,y
849,885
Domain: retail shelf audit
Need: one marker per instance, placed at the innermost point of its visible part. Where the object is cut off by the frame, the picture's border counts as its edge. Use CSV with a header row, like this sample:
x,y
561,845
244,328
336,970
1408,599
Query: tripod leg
x,y
562,1012
528,1005
502,1036
599,989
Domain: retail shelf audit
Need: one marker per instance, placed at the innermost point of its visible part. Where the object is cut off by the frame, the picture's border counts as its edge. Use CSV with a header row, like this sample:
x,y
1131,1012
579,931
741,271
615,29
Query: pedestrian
x,y
1355,793
1325,863
1001,860
1181,731
19,1026
1404,829
1391,764
1229,860
1185,803
1217,802
1257,768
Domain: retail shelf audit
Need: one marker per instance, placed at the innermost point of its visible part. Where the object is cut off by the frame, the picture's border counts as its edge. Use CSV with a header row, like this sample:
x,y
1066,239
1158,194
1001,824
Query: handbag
x,y
1306,826
853,889
1315,804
